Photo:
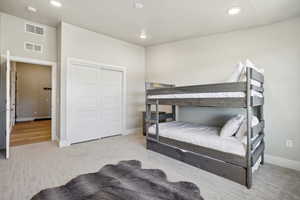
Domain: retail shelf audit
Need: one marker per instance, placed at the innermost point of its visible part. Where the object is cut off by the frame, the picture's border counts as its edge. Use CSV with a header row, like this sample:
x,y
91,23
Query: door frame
x,y
73,61
54,102
8,127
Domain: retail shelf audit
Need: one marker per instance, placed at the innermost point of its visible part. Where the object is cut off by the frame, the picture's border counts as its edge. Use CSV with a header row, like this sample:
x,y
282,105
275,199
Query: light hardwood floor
x,y
34,167
31,132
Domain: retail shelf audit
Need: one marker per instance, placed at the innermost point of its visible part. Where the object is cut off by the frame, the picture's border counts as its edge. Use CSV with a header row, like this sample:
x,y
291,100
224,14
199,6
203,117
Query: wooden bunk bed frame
x,y
230,166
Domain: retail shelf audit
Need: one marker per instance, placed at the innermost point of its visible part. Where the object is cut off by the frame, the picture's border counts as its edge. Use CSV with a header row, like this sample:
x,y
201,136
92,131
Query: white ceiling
x,y
164,20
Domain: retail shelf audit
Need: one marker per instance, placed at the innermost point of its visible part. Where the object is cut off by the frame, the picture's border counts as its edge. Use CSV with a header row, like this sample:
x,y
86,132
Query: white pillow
x,y
236,74
243,76
243,128
232,126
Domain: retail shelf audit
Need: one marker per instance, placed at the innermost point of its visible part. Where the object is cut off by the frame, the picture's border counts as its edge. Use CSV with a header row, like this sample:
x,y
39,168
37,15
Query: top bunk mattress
x,y
205,136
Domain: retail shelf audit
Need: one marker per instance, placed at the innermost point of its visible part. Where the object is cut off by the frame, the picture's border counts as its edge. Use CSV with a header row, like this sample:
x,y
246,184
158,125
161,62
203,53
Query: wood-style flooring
x,y
31,132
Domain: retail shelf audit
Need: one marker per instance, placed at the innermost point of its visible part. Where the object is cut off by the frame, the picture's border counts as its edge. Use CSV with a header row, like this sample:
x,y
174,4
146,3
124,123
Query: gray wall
x,y
14,36
276,48
83,44
32,100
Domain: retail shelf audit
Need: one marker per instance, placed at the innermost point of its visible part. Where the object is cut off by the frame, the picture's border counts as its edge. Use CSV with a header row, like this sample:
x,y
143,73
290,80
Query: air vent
x,y
29,46
31,28
38,48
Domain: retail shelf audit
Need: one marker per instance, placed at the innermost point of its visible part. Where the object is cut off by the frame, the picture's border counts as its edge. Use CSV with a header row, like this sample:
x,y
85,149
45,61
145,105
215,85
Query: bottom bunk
x,y
202,147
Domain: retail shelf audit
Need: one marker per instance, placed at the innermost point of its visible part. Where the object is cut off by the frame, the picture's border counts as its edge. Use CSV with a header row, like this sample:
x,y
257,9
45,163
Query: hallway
x,y
31,132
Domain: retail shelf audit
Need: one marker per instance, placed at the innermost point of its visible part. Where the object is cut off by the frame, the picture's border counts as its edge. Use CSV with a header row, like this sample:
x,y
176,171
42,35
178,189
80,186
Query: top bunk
x,y
229,94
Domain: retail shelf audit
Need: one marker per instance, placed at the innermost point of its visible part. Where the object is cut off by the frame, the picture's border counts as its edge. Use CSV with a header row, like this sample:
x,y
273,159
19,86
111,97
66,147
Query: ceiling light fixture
x,y
31,9
143,35
234,11
55,3
138,4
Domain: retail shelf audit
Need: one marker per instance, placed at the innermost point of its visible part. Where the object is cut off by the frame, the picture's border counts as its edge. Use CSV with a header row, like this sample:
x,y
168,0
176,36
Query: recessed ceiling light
x,y
143,35
138,4
55,3
234,11
31,9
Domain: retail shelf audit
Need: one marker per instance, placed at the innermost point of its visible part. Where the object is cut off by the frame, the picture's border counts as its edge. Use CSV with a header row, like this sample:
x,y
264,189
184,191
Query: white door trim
x,y
71,61
8,105
54,101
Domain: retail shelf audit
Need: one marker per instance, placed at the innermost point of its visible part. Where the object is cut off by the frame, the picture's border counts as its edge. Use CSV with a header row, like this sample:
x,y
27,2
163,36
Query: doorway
x,y
30,103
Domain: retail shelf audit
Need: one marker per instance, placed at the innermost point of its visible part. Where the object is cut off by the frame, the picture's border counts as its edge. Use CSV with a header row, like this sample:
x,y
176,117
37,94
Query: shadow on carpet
x,y
124,181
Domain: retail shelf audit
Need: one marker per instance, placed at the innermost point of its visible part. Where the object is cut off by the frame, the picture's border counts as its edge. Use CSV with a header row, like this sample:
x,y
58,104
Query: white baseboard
x,y
43,117
26,119
283,162
133,131
63,143
54,138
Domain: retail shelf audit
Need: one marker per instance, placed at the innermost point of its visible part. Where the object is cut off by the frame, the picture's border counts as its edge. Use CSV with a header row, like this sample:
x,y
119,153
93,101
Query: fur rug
x,y
124,181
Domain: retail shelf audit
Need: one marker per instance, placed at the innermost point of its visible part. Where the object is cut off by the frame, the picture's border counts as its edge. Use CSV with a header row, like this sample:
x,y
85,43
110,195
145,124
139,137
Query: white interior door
x,y
111,101
12,93
8,106
83,103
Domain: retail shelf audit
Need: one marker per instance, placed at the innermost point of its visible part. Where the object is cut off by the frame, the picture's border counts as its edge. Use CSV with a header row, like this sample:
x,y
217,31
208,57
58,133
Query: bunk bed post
x,y
249,129
148,118
148,110
174,112
261,118
157,120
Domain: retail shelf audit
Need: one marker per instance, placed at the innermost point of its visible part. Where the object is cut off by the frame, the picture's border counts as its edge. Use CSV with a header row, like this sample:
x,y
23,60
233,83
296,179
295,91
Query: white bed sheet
x,y
205,136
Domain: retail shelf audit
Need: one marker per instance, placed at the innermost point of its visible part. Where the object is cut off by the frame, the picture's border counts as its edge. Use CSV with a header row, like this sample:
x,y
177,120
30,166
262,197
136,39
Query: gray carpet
x,y
32,168
124,181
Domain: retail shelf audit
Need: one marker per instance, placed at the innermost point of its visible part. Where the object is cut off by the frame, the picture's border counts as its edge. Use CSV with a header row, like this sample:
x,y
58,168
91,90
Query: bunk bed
x,y
234,165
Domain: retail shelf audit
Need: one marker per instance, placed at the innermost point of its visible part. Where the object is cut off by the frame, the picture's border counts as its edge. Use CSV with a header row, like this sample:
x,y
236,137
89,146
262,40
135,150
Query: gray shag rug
x,y
124,181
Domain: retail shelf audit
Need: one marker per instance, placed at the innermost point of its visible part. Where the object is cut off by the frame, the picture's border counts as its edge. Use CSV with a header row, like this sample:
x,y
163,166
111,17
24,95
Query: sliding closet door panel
x,y
84,99
111,87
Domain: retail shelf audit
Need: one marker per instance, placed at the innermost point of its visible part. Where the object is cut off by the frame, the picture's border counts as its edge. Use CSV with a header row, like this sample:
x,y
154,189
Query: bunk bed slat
x,y
258,128
208,88
255,75
204,102
258,89
257,153
257,140
257,101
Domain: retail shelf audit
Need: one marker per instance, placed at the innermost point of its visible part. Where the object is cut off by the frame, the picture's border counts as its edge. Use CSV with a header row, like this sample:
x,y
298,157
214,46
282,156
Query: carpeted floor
x,y
35,167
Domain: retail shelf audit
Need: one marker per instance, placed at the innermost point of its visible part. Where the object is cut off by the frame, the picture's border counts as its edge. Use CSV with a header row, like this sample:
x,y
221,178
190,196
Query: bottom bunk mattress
x,y
200,135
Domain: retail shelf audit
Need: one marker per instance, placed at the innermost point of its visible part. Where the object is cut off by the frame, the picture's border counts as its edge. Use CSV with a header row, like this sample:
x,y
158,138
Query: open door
x,y
8,106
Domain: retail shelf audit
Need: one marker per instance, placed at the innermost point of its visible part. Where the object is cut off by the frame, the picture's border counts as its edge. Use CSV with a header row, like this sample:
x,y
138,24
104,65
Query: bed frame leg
x,y
249,182
262,162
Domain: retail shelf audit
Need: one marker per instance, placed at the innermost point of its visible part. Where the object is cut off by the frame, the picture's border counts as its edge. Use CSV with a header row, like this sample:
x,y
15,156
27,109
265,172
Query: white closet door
x,y
84,103
111,100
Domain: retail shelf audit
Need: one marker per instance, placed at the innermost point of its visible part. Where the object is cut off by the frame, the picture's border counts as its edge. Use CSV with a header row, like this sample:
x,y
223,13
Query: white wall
x,y
83,44
2,94
13,38
276,48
